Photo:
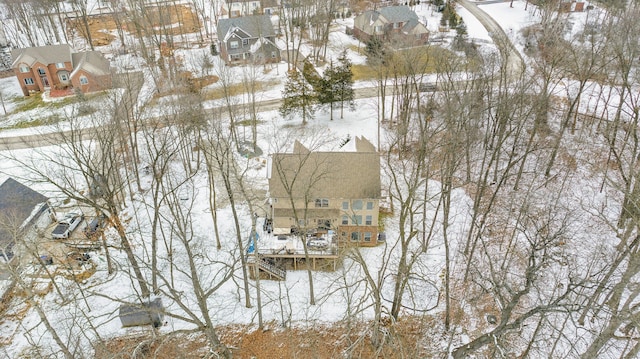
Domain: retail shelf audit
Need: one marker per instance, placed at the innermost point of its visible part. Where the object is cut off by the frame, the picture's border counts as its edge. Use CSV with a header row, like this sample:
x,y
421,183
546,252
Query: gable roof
x,y
398,13
255,26
17,204
92,62
50,54
390,15
348,175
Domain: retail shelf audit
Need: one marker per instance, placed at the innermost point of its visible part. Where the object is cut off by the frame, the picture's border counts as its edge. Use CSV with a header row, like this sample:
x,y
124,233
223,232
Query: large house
x,y
22,212
247,39
322,191
57,66
394,24
236,8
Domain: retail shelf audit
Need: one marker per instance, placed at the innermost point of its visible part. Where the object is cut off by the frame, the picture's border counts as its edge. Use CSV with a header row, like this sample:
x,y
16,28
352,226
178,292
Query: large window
x,y
24,68
368,220
355,236
234,44
28,81
357,220
84,80
322,202
357,204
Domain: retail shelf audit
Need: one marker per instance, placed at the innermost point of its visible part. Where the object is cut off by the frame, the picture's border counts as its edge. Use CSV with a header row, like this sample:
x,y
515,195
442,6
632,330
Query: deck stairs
x,y
270,269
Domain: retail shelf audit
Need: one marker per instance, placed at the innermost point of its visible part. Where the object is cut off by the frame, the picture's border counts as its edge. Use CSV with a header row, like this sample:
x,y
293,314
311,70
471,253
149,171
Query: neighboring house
x,y
22,212
57,66
237,8
393,24
270,7
248,39
571,6
337,191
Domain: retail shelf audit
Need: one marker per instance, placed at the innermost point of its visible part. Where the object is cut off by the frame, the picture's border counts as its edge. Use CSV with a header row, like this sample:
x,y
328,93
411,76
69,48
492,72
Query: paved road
x,y
55,138
515,67
515,63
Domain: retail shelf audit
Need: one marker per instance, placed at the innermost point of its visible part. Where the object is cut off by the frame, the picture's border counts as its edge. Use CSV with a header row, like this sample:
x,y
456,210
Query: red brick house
x,y
57,66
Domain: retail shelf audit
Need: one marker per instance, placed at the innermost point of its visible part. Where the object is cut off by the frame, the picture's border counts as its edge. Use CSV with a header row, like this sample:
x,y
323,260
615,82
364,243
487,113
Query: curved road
x,y
514,61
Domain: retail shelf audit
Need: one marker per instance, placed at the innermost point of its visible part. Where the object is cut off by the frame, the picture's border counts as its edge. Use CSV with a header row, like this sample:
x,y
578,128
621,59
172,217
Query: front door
x,y
45,81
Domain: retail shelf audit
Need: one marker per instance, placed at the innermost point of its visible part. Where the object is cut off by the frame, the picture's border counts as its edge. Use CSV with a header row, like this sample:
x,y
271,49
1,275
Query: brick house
x,y
337,191
57,66
247,39
393,24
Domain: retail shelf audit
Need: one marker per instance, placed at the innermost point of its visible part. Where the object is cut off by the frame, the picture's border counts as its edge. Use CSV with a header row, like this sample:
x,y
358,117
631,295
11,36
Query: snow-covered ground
x,y
334,290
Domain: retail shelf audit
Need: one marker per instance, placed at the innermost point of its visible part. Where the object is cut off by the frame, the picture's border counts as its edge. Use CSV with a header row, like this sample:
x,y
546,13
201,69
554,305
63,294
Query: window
x,y
355,236
246,55
367,236
396,25
24,68
324,224
234,44
368,220
41,71
245,42
369,205
357,204
357,220
378,28
28,81
63,76
301,223
60,65
273,54
345,205
345,220
235,57
84,80
322,202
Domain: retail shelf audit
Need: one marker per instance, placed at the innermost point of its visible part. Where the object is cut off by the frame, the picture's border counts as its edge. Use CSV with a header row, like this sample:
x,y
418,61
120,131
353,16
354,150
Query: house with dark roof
x,y
321,191
247,39
393,24
22,211
57,66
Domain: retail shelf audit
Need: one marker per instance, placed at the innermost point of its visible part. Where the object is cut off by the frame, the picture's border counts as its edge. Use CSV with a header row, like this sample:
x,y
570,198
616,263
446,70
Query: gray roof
x,y
255,25
50,54
398,13
91,61
17,203
349,175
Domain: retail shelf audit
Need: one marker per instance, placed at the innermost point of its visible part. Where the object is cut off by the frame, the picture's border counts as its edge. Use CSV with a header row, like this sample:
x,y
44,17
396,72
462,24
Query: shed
x,y
146,313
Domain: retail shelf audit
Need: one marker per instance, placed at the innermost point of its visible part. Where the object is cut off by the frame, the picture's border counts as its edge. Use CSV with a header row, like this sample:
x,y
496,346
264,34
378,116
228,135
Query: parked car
x,y
94,227
67,225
